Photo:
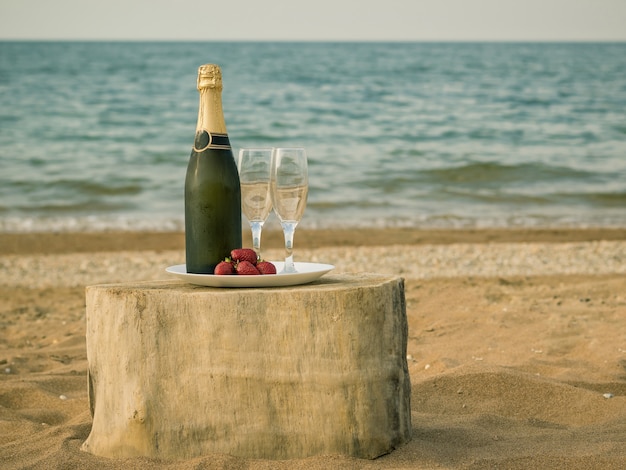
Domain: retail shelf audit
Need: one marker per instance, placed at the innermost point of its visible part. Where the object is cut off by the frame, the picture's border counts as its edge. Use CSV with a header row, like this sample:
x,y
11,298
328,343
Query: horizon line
x,y
331,40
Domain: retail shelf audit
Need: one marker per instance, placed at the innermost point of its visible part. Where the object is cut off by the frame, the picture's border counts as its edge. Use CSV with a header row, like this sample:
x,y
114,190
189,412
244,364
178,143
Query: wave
x,y
499,173
70,188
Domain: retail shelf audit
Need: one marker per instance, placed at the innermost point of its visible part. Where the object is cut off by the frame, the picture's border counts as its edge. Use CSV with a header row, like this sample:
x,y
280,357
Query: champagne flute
x,y
290,186
255,173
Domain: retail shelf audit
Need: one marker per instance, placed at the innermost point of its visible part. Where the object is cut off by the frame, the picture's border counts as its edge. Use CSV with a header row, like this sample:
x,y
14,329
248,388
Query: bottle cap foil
x,y
209,76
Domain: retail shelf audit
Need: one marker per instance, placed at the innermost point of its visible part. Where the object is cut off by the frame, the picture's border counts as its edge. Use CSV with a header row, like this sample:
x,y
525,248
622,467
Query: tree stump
x,y
178,371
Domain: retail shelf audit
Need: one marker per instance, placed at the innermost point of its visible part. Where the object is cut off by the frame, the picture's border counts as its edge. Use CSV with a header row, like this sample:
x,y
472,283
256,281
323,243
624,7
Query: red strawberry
x,y
246,268
244,254
224,268
265,267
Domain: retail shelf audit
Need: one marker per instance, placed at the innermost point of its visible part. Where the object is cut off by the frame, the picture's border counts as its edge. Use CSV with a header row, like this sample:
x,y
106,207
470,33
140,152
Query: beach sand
x,y
516,352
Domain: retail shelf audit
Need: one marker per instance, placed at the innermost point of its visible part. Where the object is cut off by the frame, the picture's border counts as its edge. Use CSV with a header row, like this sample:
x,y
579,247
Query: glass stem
x,y
256,228
289,228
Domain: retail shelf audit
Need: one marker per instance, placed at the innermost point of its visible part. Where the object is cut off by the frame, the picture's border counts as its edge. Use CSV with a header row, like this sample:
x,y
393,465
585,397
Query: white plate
x,y
307,272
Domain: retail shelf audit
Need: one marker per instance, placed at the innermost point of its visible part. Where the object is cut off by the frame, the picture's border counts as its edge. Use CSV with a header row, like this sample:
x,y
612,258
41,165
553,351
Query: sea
x,y
97,135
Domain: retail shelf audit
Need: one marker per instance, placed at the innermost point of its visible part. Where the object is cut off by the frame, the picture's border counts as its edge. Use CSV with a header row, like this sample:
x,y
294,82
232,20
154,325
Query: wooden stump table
x,y
178,371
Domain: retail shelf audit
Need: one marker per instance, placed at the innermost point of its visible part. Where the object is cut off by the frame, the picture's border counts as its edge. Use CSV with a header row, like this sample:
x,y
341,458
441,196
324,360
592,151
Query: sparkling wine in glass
x,y
290,186
255,174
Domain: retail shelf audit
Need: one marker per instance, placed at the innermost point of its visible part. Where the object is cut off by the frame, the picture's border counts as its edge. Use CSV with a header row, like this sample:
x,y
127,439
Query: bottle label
x,y
207,140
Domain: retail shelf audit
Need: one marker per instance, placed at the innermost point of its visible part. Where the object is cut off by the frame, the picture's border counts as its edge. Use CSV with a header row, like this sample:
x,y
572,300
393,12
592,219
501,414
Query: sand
x,y
517,343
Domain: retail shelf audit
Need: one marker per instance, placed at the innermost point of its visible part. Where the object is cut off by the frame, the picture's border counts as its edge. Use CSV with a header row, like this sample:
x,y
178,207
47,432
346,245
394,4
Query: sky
x,y
315,20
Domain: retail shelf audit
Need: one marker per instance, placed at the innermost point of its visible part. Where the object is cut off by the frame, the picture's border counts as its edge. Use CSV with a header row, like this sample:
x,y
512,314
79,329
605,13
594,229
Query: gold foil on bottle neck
x,y
209,76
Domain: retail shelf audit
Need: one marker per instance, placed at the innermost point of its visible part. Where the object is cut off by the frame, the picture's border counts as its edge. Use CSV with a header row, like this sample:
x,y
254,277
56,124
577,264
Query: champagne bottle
x,y
212,191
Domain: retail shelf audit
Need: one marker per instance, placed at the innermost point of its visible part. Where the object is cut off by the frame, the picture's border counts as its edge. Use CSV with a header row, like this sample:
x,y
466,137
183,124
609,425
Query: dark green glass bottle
x,y
212,191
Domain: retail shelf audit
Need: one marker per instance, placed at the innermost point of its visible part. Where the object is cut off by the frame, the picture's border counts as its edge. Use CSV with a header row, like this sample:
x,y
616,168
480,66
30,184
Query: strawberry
x,y
224,268
244,254
265,267
246,268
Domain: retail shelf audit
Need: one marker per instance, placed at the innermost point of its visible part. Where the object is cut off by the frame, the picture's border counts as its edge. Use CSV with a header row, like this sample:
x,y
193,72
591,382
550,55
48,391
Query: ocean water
x,y
97,136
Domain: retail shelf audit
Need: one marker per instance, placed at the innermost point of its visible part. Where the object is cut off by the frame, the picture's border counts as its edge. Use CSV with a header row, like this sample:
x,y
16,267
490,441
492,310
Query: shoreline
x,y
112,241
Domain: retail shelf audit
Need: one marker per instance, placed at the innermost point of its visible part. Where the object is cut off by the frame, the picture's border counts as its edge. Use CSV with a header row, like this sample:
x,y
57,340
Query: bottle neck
x,y
211,128
210,113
